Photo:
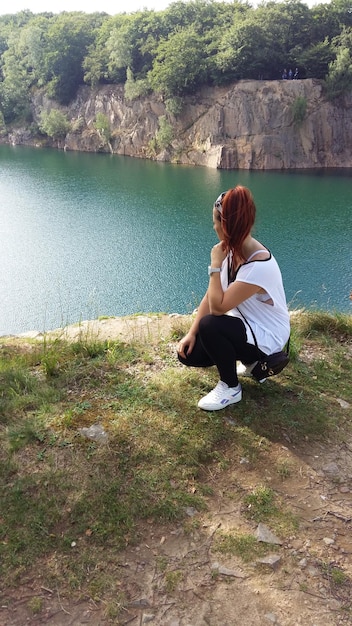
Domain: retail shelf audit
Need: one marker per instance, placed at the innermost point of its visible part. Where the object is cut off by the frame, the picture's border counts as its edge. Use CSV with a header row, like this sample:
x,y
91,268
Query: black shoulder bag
x,y
271,364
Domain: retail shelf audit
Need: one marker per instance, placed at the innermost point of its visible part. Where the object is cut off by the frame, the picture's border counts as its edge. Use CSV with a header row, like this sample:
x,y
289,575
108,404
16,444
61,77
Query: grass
x,y
263,505
69,503
242,545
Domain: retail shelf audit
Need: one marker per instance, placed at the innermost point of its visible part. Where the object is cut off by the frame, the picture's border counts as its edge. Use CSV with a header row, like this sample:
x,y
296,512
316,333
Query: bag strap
x,y
287,345
250,328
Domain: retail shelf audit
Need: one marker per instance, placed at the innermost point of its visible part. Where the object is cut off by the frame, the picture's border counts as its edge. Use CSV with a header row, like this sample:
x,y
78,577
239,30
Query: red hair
x,y
237,219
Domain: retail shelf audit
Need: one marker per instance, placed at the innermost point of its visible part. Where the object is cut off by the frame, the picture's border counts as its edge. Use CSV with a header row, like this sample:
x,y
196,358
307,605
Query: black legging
x,y
221,341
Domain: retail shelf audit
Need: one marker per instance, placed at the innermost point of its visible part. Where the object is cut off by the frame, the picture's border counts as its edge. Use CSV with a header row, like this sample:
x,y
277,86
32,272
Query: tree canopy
x,y
189,45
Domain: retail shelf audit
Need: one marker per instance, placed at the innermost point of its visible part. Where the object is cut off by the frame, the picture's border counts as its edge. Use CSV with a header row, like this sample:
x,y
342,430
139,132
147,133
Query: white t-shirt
x,y
270,322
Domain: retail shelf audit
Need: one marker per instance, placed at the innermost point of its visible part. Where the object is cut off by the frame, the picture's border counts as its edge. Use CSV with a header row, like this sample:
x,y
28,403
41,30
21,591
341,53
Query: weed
x,y
283,468
162,563
28,431
313,324
260,504
338,576
114,607
179,329
172,580
240,544
35,605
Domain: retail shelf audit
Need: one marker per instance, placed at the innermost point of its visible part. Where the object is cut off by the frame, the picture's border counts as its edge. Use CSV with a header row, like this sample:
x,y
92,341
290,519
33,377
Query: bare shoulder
x,y
260,255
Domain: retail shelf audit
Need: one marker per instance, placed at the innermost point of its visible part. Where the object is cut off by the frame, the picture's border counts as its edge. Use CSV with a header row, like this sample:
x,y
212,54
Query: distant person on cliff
x,y
290,74
284,74
296,73
245,286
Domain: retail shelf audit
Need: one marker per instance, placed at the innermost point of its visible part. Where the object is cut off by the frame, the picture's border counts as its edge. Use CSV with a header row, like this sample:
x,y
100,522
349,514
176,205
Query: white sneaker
x,y
245,370
221,396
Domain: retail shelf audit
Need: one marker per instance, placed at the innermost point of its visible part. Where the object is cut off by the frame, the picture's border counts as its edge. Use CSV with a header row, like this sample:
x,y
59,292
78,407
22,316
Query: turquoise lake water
x,y
87,235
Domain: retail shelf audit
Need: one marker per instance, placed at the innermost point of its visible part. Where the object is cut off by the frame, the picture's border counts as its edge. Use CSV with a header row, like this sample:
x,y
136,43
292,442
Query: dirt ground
x,y
301,585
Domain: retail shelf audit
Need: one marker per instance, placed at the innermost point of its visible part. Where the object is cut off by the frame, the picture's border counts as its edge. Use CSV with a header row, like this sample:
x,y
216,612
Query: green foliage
x,y
95,63
92,65
14,89
315,58
173,52
2,122
299,110
165,133
174,106
261,503
339,78
54,124
21,390
243,545
245,51
337,326
132,41
179,65
28,431
135,88
264,41
102,125
35,604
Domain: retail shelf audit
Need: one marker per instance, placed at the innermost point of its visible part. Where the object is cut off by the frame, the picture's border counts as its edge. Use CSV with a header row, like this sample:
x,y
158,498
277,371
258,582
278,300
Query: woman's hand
x,y
186,344
218,254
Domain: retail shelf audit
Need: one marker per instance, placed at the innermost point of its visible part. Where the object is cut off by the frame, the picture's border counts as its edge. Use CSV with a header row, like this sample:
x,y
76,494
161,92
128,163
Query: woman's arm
x,y
220,301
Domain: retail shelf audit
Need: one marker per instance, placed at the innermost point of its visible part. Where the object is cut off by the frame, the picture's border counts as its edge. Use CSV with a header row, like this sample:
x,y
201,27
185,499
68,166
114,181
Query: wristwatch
x,y
213,270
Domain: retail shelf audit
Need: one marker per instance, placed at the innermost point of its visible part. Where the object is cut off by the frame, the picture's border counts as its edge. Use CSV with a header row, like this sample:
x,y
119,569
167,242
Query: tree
x,y
176,51
15,87
261,42
343,11
179,66
132,43
135,88
34,38
314,60
339,78
54,124
68,39
238,52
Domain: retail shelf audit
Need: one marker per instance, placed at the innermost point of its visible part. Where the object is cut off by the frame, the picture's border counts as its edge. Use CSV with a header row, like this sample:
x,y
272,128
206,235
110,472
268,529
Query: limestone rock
x,y
249,124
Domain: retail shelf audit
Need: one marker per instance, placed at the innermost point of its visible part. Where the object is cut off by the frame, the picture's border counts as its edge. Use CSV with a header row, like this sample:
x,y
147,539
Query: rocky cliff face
x,y
248,125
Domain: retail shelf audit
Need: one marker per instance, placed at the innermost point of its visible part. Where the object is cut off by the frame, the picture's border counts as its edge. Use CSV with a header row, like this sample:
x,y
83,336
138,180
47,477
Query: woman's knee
x,y
209,324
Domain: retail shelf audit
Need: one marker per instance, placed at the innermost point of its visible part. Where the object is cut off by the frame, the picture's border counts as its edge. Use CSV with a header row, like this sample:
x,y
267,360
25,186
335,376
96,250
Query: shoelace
x,y
219,390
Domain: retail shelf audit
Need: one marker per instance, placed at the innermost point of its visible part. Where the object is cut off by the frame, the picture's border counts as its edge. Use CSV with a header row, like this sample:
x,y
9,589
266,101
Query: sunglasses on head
x,y
218,201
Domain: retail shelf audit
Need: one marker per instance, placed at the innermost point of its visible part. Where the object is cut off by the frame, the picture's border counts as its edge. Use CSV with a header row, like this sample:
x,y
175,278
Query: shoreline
x,y
146,325
128,327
